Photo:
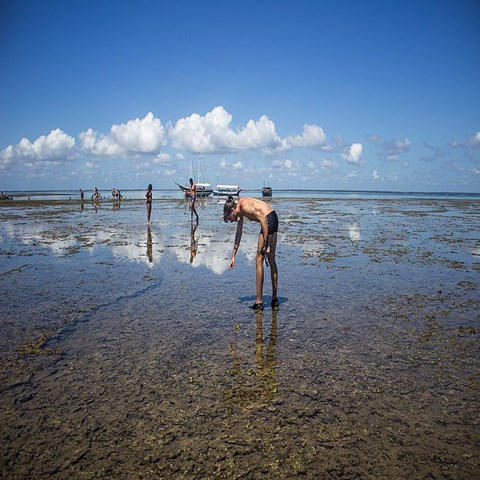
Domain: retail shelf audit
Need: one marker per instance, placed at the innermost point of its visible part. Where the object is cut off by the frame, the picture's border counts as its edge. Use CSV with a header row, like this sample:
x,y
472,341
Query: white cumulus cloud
x,y
312,136
354,154
212,133
474,141
57,145
140,135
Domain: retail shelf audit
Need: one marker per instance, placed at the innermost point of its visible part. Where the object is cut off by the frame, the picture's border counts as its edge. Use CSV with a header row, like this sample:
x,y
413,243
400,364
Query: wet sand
x,y
129,352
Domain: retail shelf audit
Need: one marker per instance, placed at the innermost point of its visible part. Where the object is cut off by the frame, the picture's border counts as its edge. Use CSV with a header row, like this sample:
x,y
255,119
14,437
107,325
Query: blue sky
x,y
303,94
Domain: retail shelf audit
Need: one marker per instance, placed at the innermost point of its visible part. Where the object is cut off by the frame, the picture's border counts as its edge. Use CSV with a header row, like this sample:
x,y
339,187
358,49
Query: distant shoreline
x,y
23,193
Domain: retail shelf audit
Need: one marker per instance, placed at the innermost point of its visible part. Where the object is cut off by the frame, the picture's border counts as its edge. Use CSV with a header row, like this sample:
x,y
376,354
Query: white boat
x,y
203,189
225,190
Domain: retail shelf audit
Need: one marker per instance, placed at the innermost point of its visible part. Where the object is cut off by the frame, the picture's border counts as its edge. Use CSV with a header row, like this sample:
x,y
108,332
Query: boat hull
x,y
201,191
226,190
225,194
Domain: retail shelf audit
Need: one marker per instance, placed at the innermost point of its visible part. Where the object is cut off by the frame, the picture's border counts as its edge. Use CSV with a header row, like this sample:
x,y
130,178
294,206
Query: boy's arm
x,y
238,237
263,223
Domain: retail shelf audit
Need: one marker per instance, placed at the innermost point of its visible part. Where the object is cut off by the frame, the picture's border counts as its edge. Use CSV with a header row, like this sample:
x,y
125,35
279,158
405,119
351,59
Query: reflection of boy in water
x,y
262,213
264,389
193,198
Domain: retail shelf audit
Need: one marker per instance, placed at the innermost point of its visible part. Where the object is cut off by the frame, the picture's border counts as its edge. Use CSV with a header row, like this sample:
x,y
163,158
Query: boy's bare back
x,y
253,209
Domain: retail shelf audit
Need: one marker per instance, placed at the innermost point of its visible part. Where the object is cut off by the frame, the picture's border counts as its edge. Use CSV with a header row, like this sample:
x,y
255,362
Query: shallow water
x,y
130,352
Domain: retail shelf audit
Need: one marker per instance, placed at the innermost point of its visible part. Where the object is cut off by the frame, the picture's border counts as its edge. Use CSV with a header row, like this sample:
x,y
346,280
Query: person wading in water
x,y
193,198
148,196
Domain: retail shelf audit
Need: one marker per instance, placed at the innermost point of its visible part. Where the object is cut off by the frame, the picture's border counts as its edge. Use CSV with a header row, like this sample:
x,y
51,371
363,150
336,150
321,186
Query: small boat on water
x,y
203,189
225,190
266,191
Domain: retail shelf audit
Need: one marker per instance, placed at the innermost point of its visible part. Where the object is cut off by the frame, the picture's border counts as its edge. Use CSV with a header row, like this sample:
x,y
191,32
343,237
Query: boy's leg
x,y
259,268
272,240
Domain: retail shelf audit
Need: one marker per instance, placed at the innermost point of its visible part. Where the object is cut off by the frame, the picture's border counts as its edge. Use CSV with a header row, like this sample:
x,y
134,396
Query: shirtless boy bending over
x,y
262,213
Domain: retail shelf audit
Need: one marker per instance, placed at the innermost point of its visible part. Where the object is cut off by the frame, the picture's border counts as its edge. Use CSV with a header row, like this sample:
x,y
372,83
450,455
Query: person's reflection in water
x,y
193,241
263,391
82,200
149,245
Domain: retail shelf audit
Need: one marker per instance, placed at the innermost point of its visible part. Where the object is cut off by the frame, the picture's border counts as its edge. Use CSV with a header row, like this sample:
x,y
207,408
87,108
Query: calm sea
x,y
133,194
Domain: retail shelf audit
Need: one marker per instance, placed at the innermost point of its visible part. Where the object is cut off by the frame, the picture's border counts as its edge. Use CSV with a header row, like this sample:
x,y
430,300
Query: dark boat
x,y
266,191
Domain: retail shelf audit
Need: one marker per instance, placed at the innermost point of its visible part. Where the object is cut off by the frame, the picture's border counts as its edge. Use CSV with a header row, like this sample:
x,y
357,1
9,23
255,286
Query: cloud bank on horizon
x,y
195,134
147,142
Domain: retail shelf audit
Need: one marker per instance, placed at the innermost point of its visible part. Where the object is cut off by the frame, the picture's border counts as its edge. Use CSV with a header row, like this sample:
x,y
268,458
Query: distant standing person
x,y
148,196
82,195
193,198
264,214
96,195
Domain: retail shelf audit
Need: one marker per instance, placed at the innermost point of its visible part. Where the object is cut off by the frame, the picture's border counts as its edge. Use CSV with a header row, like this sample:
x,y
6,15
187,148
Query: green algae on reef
x,y
37,346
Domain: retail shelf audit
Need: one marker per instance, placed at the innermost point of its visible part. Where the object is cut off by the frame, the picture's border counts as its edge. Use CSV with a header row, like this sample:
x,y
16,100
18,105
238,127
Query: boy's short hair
x,y
227,208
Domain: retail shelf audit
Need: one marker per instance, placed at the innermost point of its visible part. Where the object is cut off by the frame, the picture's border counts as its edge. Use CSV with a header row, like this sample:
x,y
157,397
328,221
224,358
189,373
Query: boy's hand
x,y
232,263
